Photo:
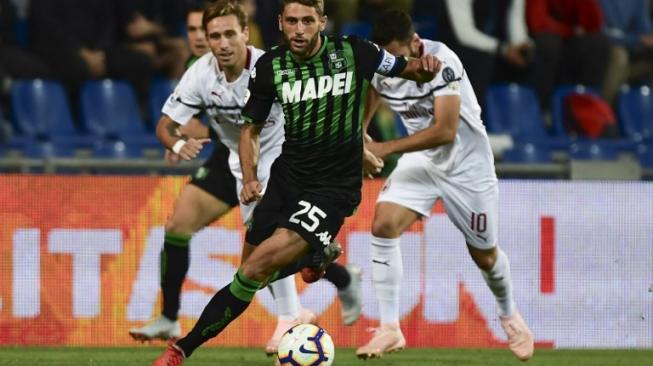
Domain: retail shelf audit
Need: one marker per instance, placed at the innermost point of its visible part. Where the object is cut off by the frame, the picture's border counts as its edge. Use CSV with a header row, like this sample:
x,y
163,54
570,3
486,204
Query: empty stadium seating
x,y
109,109
514,109
41,111
593,150
44,126
635,110
527,153
159,93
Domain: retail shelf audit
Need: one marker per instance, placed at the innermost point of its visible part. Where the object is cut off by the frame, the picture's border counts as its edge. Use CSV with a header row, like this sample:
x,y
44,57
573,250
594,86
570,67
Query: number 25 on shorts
x,y
312,219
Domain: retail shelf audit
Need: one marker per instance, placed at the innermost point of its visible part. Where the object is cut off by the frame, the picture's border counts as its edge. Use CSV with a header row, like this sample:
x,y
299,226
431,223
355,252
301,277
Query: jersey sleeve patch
x,y
448,75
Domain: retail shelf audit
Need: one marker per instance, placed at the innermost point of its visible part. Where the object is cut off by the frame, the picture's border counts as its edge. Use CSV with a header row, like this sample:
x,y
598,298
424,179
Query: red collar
x,y
248,61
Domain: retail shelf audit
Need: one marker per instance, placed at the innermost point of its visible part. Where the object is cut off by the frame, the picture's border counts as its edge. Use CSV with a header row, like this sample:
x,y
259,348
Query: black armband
x,y
390,65
400,66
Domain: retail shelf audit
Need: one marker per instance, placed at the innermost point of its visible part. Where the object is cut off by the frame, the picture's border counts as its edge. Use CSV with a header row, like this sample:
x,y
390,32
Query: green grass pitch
x,y
143,356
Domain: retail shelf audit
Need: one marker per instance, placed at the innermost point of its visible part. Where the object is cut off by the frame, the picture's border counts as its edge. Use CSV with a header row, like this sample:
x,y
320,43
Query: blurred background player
x,y
195,33
448,157
215,83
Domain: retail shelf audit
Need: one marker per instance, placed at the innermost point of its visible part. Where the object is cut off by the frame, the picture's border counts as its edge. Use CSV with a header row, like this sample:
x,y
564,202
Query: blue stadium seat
x,y
21,28
48,150
636,113
117,150
527,153
646,159
14,146
41,110
159,93
593,150
515,110
358,29
644,154
110,110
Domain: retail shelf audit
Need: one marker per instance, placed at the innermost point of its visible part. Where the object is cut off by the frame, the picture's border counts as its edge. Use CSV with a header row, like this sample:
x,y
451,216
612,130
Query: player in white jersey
x,y
447,156
216,83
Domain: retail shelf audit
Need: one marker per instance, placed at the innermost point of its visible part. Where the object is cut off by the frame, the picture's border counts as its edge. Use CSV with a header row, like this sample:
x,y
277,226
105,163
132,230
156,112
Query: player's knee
x,y
254,271
484,259
178,225
385,227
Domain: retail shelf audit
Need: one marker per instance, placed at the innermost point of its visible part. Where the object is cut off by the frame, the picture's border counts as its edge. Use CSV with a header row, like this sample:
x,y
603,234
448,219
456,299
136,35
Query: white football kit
x,y
461,173
205,87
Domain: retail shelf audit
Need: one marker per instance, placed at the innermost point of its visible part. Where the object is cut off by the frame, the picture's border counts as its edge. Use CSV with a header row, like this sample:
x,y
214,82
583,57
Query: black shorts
x,y
215,177
316,217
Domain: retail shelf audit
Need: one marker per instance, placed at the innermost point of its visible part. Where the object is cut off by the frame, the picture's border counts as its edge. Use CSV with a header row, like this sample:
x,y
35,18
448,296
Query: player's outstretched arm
x,y
421,70
167,131
443,130
248,150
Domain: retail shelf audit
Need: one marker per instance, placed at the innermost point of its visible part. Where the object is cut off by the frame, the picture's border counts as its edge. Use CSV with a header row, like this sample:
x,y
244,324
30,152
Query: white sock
x,y
499,281
285,296
387,273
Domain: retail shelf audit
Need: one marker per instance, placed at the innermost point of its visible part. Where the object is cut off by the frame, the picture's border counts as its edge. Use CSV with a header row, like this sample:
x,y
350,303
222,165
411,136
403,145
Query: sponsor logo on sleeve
x,y
448,75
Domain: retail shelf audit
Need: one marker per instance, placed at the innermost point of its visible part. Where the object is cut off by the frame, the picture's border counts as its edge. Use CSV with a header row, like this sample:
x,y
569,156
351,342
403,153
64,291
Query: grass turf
x,y
37,356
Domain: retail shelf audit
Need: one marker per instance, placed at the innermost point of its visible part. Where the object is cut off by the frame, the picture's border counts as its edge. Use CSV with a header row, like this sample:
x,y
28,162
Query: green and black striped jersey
x,y
323,99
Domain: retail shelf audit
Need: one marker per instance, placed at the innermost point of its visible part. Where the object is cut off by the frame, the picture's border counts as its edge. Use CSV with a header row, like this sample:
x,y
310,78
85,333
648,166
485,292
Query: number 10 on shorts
x,y
479,222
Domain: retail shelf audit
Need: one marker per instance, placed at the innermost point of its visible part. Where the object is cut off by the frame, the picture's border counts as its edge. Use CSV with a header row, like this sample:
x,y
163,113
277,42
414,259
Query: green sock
x,y
174,266
224,307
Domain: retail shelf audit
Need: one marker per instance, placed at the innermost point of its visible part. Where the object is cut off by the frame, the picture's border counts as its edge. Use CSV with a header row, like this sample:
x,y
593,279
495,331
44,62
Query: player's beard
x,y
306,50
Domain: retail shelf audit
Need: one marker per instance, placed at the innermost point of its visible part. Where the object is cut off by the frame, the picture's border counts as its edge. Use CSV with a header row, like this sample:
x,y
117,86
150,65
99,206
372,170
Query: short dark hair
x,y
393,25
317,4
223,8
196,6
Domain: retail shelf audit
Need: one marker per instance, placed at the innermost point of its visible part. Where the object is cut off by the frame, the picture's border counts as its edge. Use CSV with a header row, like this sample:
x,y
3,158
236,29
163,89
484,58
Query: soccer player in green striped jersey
x,y
321,83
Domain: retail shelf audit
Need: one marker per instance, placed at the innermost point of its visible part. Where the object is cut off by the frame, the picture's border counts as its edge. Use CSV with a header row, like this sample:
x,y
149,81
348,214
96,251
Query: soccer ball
x,y
306,345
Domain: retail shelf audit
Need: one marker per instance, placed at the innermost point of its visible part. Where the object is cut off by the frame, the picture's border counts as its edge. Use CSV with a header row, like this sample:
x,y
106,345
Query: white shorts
x,y
264,165
470,197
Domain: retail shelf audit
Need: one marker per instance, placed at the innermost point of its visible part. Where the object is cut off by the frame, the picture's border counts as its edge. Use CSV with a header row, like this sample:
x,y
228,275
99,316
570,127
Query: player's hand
x,y
171,158
430,66
192,148
251,192
378,149
371,164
